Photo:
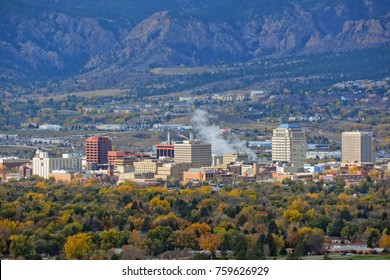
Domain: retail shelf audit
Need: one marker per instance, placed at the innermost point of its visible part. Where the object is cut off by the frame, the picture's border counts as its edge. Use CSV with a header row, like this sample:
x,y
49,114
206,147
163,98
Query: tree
x,y
199,229
374,174
3,246
79,246
109,239
280,244
313,239
22,246
298,204
157,240
315,242
384,242
273,227
184,239
292,215
272,245
259,250
209,242
233,240
372,235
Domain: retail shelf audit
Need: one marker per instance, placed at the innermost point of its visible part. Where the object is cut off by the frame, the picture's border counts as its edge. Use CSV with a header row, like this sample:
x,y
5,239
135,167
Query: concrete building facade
x,y
43,165
235,157
169,170
146,166
195,152
357,147
289,145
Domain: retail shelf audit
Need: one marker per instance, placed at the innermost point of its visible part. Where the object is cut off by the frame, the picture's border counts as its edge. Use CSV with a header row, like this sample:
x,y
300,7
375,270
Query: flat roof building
x,y
289,145
147,166
165,150
235,157
195,152
12,162
43,165
357,147
96,150
169,170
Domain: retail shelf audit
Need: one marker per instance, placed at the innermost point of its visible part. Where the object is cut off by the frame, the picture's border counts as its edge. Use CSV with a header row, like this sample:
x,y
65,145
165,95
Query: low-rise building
x,y
25,171
64,176
52,127
199,174
111,127
147,166
12,162
235,157
169,170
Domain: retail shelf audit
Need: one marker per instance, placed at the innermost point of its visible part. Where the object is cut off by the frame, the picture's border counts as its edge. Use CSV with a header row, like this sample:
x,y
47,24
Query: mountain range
x,y
44,39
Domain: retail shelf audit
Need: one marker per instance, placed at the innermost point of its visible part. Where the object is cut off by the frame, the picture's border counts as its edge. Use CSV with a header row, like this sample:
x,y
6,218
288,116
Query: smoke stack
x,y
168,138
191,136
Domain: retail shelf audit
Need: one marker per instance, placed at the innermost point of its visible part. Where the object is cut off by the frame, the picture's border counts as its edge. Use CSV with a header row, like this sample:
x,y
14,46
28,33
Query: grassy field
x,y
93,93
184,70
360,257
351,257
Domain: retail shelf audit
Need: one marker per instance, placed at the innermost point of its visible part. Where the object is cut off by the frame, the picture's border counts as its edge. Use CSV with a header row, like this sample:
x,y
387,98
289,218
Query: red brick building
x,y
115,155
96,150
165,150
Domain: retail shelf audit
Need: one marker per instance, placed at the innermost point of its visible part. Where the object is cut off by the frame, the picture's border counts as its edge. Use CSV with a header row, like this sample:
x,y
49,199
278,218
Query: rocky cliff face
x,y
56,43
53,42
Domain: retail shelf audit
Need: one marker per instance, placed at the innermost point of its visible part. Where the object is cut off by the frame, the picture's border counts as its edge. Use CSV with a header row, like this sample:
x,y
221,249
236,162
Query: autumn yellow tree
x,y
198,228
374,174
79,246
159,205
384,242
298,204
292,215
209,242
353,169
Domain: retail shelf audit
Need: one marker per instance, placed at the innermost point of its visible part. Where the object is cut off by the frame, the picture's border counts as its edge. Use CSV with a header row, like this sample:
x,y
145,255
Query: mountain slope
x,y
44,39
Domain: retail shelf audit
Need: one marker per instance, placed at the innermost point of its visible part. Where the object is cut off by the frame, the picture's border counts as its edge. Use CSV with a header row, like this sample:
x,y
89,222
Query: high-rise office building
x,y
195,152
356,147
96,150
289,145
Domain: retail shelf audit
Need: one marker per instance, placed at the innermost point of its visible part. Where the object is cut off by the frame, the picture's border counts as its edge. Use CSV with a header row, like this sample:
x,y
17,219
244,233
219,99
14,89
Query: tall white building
x,y
195,152
43,165
357,147
289,145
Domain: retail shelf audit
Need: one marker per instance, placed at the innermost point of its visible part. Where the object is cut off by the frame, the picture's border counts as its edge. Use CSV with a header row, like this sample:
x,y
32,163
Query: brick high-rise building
x,y
96,150
357,147
289,145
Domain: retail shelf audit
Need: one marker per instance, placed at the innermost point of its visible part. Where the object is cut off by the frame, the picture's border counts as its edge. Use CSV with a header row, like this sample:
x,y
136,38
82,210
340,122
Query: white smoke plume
x,y
210,133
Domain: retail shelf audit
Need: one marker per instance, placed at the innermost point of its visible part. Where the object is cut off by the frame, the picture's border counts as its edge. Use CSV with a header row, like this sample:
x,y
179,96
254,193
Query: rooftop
x,y
289,125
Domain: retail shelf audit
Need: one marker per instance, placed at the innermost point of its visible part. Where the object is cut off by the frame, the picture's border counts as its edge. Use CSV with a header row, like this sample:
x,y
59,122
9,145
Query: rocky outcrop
x,y
53,43
163,40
